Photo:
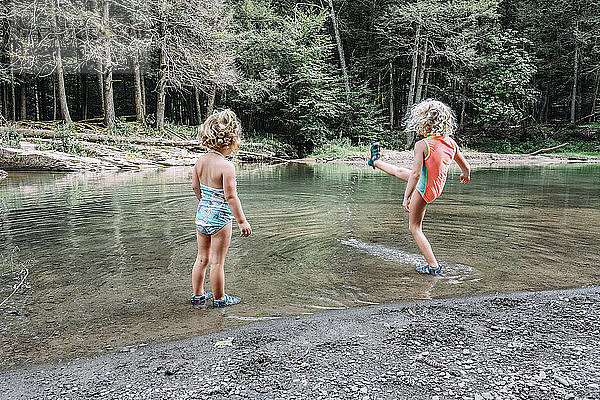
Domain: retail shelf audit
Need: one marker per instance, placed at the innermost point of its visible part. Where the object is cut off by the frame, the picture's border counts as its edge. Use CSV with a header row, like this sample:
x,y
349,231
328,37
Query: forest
x,y
307,72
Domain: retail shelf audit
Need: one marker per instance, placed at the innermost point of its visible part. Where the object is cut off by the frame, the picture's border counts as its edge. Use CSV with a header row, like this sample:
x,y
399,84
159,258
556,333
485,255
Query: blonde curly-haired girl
x,y
213,181
432,157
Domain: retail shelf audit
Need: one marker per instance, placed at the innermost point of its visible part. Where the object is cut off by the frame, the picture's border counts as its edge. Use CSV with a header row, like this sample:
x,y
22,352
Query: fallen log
x,y
250,153
97,138
548,149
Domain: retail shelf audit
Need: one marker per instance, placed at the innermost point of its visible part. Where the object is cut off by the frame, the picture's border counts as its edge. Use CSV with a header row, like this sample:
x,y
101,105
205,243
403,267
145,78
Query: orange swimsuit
x,y
441,151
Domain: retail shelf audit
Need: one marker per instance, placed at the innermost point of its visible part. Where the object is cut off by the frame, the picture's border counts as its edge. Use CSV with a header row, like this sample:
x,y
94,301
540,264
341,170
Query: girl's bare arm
x,y
229,186
196,184
465,177
415,173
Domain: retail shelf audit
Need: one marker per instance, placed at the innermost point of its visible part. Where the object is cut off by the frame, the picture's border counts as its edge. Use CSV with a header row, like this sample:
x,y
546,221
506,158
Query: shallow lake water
x,y
109,255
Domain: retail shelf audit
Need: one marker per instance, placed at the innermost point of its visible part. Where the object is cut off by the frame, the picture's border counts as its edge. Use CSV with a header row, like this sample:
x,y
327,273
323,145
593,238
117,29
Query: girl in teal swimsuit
x,y
213,181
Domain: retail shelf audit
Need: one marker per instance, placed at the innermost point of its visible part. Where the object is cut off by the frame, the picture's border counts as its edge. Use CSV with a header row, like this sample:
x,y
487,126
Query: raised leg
x,y
202,258
219,245
415,223
398,172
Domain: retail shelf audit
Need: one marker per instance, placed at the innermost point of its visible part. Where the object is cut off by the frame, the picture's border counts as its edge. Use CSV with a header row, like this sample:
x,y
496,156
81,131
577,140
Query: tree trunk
x,y
36,93
100,82
575,83
85,96
2,104
140,113
340,47
392,99
575,76
422,67
379,96
161,86
594,112
109,112
143,87
54,105
210,104
413,71
197,104
23,93
5,60
13,101
62,93
463,100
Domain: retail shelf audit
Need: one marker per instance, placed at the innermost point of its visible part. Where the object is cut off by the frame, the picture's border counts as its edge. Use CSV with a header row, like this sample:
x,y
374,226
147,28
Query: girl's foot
x,y
200,301
375,154
226,301
427,269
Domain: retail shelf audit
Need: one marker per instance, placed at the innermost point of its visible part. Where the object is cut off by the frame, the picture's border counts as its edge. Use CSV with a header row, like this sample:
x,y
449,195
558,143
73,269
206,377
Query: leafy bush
x,y
10,137
66,142
339,149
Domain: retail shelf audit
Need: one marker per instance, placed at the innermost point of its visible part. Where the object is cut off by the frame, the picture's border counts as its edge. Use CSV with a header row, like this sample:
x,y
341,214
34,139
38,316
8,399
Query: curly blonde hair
x,y
220,130
431,117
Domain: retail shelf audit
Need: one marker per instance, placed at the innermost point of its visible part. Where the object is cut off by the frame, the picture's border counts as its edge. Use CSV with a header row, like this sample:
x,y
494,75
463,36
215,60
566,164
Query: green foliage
x,y
123,128
10,137
576,147
181,132
289,85
504,85
66,142
257,142
340,149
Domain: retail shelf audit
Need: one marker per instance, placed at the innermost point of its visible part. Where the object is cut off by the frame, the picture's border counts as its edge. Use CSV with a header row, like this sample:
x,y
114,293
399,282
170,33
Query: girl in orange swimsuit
x,y
432,157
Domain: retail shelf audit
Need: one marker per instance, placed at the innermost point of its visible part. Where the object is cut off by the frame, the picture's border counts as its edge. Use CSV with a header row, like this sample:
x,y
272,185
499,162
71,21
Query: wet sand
x,y
537,345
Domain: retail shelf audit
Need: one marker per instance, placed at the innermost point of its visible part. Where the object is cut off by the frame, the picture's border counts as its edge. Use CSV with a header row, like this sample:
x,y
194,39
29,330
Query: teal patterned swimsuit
x,y
213,211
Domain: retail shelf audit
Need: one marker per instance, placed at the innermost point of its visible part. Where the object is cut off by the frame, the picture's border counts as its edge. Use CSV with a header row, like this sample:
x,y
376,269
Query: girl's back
x,y
210,168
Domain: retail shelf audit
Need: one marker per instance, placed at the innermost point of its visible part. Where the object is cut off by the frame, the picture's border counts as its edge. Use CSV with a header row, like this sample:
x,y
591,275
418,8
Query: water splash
x,y
402,257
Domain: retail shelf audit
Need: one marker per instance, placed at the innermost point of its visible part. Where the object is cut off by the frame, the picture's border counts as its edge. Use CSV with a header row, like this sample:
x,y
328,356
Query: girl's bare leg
x,y
199,270
219,245
415,222
398,172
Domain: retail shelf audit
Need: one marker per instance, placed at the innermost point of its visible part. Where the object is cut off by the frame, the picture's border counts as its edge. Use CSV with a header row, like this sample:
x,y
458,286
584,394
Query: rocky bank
x,y
542,345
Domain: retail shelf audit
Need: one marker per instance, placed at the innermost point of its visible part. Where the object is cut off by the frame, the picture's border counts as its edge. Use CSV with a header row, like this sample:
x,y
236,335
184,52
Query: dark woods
x,y
302,72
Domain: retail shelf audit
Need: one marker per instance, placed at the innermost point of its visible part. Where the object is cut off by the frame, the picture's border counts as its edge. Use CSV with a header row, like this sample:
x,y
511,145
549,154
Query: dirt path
x,y
532,345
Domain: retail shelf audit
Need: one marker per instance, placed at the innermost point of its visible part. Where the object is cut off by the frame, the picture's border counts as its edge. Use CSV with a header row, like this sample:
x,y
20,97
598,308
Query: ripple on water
x,y
111,253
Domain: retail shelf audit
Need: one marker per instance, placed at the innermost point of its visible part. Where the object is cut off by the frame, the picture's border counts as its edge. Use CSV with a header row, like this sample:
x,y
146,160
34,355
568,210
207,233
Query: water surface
x,y
109,255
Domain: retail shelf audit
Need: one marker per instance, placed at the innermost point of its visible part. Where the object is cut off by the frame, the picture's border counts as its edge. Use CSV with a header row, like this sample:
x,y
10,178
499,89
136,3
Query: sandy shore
x,y
475,159
541,345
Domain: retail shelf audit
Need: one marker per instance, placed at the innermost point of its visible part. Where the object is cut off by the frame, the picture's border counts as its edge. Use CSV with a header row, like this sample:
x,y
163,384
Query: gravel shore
x,y
542,345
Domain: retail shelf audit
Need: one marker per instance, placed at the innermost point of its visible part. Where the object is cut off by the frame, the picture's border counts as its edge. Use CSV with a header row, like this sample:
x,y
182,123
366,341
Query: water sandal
x,y
375,154
226,301
426,269
200,301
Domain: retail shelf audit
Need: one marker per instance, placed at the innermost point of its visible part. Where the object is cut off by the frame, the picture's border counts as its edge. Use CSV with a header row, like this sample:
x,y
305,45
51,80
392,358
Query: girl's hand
x,y
245,229
465,178
406,205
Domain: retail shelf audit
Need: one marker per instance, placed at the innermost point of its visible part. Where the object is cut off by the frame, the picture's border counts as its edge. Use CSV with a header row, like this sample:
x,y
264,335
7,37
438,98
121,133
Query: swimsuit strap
x,y
217,152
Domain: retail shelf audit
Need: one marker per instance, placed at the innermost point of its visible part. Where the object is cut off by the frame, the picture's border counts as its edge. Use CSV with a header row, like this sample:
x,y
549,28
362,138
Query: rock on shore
x,y
530,345
35,160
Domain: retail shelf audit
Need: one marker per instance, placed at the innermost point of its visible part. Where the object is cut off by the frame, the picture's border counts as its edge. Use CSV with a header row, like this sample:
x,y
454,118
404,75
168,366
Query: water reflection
x,y
110,254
